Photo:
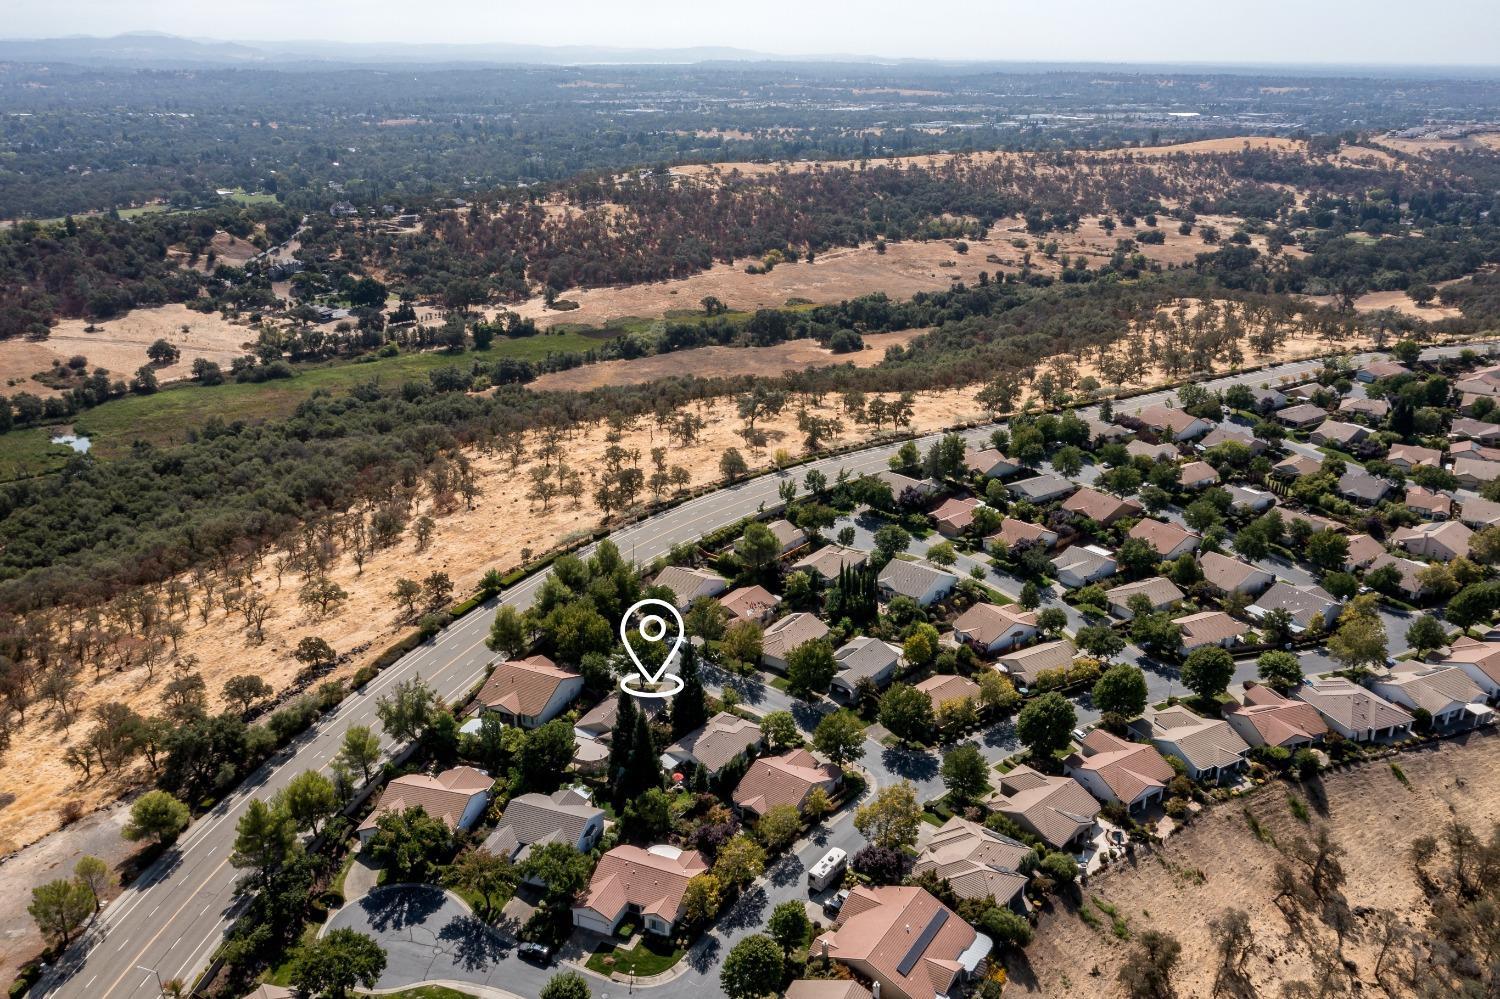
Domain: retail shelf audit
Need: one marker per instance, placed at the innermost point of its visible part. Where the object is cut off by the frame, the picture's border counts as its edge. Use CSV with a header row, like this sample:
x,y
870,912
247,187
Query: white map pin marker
x,y
653,628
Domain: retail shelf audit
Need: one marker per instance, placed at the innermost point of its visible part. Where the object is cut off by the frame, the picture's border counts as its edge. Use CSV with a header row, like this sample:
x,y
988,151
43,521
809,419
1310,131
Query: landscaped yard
x,y
425,992
651,956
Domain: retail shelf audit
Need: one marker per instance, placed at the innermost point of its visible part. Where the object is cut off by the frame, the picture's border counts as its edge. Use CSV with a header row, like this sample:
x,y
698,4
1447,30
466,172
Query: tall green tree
x,y
754,968
60,908
157,815
332,965
264,841
1045,725
690,705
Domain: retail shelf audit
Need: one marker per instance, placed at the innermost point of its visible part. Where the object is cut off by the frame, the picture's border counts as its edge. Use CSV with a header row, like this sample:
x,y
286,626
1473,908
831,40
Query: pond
x,y
76,442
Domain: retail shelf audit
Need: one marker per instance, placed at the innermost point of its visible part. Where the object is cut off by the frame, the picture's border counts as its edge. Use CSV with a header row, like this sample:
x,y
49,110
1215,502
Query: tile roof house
x,y
1025,664
1409,456
1483,381
1363,550
1429,503
1160,590
784,780
1232,433
1263,717
1245,499
1101,507
1057,810
977,862
1479,430
901,483
990,462
1376,370
1360,486
990,627
1480,661
1081,565
788,535
1312,520
723,739
565,816
1113,769
599,721
921,581
863,658
1296,466
1199,475
1042,488
787,635
1014,532
829,560
905,941
1352,711
1473,473
1165,537
1408,573
1210,748
1444,692
826,988
456,797
1267,399
1174,424
1479,513
1338,434
750,603
1151,452
1302,416
1473,449
529,692
1370,410
1306,604
650,883
945,687
953,516
1210,628
1440,542
688,584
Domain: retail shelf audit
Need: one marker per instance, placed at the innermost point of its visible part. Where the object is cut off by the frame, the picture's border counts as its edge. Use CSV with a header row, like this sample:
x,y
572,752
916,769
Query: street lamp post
x,y
161,987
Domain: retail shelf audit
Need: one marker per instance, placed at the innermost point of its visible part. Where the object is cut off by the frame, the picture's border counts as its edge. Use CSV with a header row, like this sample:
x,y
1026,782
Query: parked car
x,y
539,953
833,906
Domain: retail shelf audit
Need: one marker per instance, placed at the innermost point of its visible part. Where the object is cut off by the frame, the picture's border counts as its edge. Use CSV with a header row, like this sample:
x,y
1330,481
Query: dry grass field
x,y
1220,861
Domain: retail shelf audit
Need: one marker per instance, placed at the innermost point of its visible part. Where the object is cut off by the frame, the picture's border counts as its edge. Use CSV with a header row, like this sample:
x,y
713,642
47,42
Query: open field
x,y
1219,861
1482,140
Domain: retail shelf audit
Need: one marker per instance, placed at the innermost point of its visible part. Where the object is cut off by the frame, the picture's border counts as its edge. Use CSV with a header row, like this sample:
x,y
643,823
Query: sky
x,y
1361,32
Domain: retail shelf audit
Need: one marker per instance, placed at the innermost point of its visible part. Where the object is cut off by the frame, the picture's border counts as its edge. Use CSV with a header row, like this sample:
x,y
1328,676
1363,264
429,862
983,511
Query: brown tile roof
x,y
790,632
1055,808
1297,464
1209,628
1160,590
1363,550
828,560
1435,688
1204,742
748,603
826,988
1199,471
956,514
947,687
1102,507
444,797
788,534
975,861
1429,502
1278,720
721,739
1479,512
1128,769
1411,454
599,721
1445,539
783,780
524,686
1302,413
985,622
1224,572
652,881
1483,655
1351,705
1013,531
1164,417
902,937
1162,535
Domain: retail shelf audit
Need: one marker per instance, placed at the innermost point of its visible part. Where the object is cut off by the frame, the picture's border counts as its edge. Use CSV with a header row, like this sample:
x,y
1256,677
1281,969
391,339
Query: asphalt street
x,y
170,921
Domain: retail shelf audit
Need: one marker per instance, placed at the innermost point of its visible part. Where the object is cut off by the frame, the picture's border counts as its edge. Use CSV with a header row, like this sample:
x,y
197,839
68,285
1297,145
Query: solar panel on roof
x,y
919,946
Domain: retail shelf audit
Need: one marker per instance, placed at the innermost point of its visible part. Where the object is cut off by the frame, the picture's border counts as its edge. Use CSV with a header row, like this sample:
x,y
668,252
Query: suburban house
x,y
1017,532
750,603
788,634
1409,456
1369,410
1337,433
784,780
1210,628
953,516
828,561
1173,424
826,988
1360,486
630,881
1480,661
1101,432
990,463
1160,590
900,484
1081,565
1473,449
1308,605
990,627
599,721
529,692
1232,433
1478,430
1445,692
1352,711
456,797
1113,769
1376,370
1296,466
1151,452
688,585
1312,520
1473,473
1210,748
1231,575
1245,499
590,756
1479,513
910,945
1363,550
1440,542
1057,810
1263,717
863,658
1429,503
1267,400
1199,475
1302,416
723,739
1102,508
1042,488
1408,573
788,535
945,687
566,816
977,862
921,581
1025,664
1484,381
1166,538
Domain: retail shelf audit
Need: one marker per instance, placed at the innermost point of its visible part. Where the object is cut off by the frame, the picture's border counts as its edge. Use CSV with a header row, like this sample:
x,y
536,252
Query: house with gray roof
x,y
1361,487
1210,748
689,584
1306,605
1353,711
1081,565
863,658
565,816
829,560
1446,693
1337,433
1159,590
921,581
1042,488
724,738
787,635
1301,416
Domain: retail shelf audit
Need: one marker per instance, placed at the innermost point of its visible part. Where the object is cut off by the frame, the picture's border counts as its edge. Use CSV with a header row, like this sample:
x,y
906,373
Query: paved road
x,y
170,921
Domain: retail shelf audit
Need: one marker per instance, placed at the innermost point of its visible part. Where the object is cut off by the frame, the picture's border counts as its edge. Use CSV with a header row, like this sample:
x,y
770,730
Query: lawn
x,y
424,992
651,956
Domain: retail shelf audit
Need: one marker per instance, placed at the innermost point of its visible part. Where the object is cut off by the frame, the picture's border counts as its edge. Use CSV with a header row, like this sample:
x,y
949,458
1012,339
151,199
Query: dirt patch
x,y
119,345
795,355
226,249
1376,301
1220,861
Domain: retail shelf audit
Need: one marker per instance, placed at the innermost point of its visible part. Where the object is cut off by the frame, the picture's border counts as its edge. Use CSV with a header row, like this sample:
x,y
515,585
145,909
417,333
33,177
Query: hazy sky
x,y
1321,31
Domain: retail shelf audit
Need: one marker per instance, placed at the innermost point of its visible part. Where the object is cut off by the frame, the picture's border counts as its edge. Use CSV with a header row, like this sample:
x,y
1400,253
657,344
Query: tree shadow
x,y
787,870
474,946
401,906
746,911
703,957
913,765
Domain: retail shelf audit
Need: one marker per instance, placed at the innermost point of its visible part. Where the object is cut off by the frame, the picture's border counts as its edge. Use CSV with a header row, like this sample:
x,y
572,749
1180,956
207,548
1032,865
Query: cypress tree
x,y
622,742
643,771
690,706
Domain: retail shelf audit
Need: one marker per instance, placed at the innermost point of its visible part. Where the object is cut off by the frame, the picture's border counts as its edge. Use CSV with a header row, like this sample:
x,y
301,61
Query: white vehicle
x,y
828,870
